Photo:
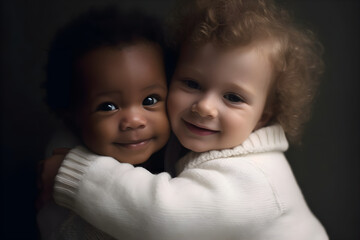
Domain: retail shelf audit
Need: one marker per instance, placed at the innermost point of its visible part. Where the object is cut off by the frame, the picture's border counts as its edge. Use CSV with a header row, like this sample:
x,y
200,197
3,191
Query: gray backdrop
x,y
326,166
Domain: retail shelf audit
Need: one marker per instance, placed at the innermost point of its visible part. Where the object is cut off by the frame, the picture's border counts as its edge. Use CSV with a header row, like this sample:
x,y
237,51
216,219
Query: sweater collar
x,y
267,139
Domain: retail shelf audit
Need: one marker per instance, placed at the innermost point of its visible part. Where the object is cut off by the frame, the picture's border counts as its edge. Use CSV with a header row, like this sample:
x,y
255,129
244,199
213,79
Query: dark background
x,y
326,165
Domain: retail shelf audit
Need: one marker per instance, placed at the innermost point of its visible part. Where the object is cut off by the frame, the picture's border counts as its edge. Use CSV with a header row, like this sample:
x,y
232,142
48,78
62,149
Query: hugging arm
x,y
128,202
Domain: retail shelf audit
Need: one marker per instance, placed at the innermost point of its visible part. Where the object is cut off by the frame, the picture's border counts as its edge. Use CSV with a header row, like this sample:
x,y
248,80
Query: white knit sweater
x,y
248,192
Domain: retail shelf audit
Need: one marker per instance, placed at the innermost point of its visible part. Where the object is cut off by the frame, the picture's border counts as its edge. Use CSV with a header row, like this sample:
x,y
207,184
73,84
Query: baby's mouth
x,y
201,131
133,144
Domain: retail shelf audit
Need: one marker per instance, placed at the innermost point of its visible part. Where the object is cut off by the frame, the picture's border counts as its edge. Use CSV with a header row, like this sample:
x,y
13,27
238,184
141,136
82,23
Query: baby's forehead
x,y
109,68
246,67
264,46
242,58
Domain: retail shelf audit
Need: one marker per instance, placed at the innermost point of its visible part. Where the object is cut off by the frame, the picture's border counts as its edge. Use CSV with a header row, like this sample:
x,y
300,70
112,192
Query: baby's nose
x,y
132,119
206,107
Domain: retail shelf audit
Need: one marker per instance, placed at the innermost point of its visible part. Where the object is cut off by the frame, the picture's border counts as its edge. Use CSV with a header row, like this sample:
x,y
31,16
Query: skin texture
x,y
123,112
217,97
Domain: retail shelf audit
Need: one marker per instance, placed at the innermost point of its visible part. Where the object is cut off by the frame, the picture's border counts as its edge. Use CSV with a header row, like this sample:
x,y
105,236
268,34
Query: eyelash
x,y
107,107
191,84
157,98
233,98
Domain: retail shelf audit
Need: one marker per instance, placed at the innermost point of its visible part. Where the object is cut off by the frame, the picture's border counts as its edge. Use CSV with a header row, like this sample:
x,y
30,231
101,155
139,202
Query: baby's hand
x,y
47,173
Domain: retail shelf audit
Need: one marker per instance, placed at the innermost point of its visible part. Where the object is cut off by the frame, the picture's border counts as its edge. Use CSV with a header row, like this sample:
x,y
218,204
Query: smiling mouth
x,y
134,144
199,130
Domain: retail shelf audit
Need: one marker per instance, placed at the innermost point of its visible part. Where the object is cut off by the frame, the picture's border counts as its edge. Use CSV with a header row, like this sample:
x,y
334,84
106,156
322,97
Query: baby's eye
x,y
150,100
234,98
192,84
107,107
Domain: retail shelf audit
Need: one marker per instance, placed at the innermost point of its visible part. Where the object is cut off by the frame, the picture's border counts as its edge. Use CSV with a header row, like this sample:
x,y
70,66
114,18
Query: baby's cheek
x,y
171,101
159,125
164,125
106,130
99,132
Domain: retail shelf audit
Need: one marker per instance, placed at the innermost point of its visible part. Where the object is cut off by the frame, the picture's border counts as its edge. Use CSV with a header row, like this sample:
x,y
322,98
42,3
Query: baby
x,y
243,84
106,80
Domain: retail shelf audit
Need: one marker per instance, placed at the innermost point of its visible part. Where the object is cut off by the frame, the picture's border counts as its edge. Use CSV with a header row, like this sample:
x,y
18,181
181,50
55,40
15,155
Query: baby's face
x,y
216,98
124,110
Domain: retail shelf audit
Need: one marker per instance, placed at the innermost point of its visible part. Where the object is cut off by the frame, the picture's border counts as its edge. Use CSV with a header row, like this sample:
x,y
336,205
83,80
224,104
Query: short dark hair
x,y
96,28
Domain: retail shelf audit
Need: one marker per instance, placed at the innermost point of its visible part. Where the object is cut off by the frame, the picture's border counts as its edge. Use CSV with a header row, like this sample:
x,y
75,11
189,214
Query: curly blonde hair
x,y
295,52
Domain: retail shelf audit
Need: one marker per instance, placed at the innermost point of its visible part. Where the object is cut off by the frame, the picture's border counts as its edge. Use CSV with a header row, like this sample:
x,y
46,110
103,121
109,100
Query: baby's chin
x,y
197,149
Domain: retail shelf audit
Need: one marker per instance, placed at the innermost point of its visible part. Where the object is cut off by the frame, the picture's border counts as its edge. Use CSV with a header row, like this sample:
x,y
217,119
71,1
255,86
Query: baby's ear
x,y
265,118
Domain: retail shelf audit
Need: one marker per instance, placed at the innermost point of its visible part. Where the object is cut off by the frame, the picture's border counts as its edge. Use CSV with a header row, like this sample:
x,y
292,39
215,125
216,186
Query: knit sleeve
x,y
70,174
217,199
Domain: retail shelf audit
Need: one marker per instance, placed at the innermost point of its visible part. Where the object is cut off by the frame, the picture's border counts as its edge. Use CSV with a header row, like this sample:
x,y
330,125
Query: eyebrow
x,y
190,67
155,86
190,71
107,93
115,92
248,93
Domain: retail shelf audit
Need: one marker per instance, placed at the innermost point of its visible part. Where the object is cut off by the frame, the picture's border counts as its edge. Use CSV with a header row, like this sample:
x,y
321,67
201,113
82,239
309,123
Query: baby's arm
x,y
47,173
131,203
